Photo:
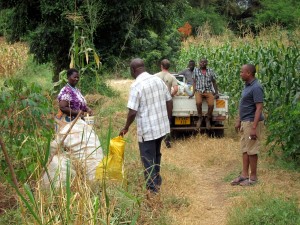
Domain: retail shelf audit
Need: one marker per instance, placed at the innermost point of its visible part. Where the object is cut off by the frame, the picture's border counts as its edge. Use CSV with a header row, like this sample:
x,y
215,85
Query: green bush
x,y
263,208
26,125
283,126
5,15
283,12
197,17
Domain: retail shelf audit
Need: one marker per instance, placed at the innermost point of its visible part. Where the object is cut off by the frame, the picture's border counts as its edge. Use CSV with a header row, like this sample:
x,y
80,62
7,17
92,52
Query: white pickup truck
x,y
185,115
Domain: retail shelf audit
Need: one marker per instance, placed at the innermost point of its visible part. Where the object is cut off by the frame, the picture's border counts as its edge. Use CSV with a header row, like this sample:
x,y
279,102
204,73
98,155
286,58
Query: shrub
x,y
25,125
283,127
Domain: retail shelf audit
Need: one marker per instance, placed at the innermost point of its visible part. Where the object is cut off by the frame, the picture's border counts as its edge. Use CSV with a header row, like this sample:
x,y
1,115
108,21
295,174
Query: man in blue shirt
x,y
249,124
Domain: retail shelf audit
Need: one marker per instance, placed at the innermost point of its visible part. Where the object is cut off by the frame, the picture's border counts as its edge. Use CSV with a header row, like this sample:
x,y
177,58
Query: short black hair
x,y
192,61
71,71
165,64
251,69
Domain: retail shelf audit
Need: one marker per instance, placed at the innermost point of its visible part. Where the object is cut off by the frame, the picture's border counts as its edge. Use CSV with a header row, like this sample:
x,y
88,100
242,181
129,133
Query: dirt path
x,y
196,173
201,165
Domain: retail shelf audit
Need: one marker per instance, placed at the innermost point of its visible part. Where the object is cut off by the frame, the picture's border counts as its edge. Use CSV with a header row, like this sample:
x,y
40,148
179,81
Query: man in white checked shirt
x,y
151,104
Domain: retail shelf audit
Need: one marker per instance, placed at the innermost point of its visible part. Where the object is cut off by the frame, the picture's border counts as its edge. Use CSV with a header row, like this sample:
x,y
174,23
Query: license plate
x,y
182,120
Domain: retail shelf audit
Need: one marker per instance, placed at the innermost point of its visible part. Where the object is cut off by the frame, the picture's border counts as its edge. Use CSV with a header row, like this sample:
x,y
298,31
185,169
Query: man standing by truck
x,y
171,82
150,103
249,123
188,74
204,83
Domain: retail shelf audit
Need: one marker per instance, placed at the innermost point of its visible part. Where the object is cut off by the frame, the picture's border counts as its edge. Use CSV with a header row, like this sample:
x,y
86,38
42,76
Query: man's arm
x,y
238,124
130,118
216,88
258,111
175,90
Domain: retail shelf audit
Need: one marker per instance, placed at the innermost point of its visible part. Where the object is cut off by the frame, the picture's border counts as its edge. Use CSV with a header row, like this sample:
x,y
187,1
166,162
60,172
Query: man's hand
x,y
253,134
123,132
217,96
237,126
192,95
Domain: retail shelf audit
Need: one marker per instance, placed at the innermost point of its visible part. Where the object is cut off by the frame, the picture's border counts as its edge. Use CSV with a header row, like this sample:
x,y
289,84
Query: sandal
x,y
238,180
248,182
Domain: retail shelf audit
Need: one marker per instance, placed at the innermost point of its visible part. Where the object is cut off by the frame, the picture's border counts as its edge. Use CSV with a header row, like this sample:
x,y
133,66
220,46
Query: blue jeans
x,y
151,156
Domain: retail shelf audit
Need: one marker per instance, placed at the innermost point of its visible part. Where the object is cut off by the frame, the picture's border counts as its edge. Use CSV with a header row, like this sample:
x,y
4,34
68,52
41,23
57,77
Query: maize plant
x,y
278,69
12,57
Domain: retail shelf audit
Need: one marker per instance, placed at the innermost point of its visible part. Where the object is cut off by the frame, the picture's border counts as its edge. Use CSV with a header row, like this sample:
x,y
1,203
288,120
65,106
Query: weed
x,y
176,202
265,208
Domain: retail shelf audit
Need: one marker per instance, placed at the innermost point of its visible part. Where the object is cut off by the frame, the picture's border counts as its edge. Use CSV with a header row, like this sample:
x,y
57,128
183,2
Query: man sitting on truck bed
x,y
188,74
204,82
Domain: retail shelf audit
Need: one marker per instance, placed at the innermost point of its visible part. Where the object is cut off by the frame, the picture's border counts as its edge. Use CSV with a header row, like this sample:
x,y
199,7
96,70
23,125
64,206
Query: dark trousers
x,y
151,156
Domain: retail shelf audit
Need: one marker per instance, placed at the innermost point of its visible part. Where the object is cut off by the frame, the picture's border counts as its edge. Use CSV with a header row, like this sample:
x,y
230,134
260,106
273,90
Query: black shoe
x,y
168,144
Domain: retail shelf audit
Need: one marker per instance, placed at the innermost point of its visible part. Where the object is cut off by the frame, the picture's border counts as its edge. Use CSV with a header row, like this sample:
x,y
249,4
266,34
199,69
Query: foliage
x,y
198,17
263,208
283,126
283,12
12,57
112,28
5,15
277,63
25,124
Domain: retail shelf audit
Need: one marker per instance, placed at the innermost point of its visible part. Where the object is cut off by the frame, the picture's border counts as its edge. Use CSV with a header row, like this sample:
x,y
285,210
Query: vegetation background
x,y
41,39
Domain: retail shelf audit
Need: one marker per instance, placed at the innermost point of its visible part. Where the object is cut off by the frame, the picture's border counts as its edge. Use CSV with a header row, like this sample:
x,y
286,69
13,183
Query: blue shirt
x,y
253,93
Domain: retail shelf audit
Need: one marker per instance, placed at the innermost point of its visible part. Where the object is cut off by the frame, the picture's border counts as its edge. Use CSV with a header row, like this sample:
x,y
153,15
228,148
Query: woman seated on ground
x,y
71,101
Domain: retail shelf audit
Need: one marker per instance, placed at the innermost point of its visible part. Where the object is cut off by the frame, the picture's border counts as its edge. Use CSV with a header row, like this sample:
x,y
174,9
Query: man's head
x,y
247,72
137,67
165,64
191,65
203,63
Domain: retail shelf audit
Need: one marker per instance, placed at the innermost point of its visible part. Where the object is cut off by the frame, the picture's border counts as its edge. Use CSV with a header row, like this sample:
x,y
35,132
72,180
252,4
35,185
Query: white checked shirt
x,y
148,96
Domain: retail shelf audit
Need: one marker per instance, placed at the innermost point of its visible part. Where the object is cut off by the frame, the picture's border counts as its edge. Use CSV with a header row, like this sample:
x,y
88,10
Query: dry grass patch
x,y
196,174
12,57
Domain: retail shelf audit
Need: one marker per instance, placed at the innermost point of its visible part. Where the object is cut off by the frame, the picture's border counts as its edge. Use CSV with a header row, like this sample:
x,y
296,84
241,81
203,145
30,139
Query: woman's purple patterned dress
x,y
74,97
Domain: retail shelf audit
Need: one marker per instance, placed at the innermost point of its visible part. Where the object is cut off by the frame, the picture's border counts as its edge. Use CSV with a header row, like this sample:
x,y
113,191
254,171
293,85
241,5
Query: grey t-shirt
x,y
188,74
252,94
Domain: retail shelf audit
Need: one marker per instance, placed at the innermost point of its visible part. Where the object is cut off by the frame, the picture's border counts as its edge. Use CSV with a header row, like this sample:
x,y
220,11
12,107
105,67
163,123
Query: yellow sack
x,y
111,166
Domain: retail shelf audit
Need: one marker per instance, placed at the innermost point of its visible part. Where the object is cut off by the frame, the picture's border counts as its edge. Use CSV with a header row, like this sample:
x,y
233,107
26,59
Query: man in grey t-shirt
x,y
188,74
249,124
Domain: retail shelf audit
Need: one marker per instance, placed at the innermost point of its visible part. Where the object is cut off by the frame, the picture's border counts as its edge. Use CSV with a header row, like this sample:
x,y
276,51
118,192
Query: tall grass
x,y
12,57
265,208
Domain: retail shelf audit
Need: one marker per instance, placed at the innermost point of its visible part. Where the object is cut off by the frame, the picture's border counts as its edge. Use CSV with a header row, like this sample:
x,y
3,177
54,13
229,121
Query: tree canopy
x,y
120,30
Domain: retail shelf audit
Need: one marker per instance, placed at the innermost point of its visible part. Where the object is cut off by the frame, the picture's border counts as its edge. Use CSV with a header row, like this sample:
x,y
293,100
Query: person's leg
x,y
158,179
245,158
210,108
148,157
246,162
198,97
253,166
